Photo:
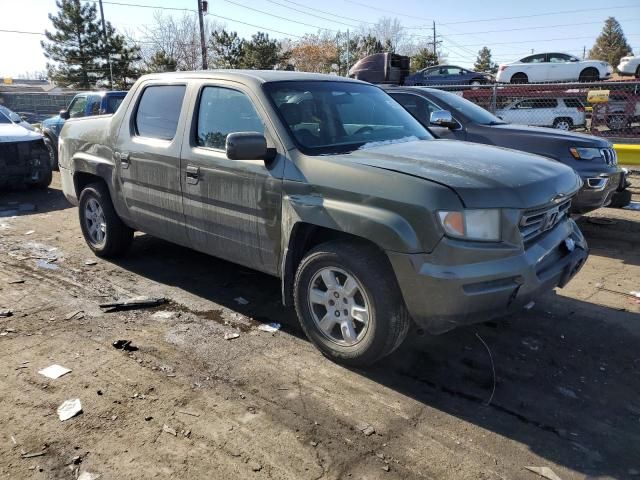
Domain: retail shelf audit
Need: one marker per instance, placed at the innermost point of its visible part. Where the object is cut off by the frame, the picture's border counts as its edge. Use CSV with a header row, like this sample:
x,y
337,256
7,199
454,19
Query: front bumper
x,y
441,295
597,191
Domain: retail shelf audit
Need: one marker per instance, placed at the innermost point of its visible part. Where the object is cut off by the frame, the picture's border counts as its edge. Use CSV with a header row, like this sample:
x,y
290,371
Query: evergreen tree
x,y
227,49
611,45
484,62
425,57
74,46
161,62
261,53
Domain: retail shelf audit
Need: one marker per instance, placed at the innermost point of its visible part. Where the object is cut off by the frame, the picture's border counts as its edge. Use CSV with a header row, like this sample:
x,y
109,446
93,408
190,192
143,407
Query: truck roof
x,y
257,76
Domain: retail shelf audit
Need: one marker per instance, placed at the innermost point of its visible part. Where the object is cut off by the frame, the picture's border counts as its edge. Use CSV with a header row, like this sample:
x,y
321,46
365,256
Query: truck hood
x,y
553,134
10,132
482,176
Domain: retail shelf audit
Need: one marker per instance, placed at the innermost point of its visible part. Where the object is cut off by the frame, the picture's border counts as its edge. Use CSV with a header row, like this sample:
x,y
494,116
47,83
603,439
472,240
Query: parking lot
x,y
189,403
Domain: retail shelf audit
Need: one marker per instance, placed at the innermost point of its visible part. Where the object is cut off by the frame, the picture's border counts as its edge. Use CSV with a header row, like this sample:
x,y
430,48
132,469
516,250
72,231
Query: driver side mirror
x,y
248,146
64,114
443,118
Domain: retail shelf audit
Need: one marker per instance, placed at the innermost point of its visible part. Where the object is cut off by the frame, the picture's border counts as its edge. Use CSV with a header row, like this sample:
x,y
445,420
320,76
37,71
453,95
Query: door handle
x,y
124,159
193,174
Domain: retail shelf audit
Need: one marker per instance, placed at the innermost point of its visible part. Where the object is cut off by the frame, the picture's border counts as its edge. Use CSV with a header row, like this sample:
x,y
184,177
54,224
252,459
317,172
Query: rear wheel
x,y
519,78
103,230
349,304
589,75
53,154
562,123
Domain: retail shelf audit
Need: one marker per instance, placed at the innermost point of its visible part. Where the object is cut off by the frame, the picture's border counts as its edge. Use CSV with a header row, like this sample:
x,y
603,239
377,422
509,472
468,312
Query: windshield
x,y
473,112
338,117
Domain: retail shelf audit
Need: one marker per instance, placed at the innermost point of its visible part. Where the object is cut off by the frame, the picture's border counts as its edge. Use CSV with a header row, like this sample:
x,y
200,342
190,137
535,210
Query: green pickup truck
x,y
330,185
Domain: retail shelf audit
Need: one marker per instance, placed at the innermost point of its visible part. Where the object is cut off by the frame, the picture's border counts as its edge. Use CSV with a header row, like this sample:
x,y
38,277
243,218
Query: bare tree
x,y
176,38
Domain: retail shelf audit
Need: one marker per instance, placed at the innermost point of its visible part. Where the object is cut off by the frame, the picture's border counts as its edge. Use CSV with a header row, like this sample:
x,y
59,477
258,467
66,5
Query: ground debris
x,y
125,345
54,371
545,472
167,429
69,409
132,303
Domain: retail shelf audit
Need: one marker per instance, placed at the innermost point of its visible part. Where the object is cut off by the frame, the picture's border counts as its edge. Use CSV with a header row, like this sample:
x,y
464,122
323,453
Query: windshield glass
x,y
473,112
338,117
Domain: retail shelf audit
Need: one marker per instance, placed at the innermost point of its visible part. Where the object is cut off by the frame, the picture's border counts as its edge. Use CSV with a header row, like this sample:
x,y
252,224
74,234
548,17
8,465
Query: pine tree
x,y
74,46
425,57
611,45
484,62
227,49
261,53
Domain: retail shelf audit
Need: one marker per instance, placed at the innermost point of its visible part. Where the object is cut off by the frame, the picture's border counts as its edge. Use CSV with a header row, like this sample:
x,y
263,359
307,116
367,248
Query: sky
x,y
511,29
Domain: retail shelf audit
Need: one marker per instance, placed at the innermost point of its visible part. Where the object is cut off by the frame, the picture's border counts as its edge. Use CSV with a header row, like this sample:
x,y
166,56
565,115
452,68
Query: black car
x,y
451,116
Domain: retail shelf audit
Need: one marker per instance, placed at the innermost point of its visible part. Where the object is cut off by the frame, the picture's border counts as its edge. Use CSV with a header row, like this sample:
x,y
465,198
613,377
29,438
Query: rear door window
x,y
223,111
158,111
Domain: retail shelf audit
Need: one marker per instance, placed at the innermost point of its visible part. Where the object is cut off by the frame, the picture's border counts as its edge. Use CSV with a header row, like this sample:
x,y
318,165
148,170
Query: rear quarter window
x,y
158,111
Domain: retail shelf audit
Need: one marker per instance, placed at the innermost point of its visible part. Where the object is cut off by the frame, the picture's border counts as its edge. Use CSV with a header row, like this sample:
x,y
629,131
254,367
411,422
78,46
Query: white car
x,y
560,113
630,66
553,67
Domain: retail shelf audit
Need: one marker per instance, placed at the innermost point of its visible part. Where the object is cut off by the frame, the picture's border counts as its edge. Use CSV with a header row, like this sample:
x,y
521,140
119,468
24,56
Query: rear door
x,y
147,160
232,207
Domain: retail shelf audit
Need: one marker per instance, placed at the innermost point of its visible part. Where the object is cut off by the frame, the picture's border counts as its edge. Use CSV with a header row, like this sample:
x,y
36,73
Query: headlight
x,y
582,153
472,224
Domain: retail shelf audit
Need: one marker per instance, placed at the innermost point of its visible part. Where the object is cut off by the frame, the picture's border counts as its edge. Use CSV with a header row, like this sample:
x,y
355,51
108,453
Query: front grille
x,y
539,220
610,156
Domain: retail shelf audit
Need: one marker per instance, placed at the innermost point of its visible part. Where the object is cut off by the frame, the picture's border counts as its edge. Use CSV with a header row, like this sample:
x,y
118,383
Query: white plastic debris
x,y
231,336
69,409
241,301
54,371
270,327
545,472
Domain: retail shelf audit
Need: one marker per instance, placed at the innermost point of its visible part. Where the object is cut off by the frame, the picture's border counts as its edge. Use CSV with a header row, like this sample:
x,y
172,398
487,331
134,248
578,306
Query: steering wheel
x,y
363,130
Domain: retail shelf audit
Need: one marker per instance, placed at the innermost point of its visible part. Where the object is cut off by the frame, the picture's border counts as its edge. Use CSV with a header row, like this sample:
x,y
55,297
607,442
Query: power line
x,y
280,17
537,14
537,27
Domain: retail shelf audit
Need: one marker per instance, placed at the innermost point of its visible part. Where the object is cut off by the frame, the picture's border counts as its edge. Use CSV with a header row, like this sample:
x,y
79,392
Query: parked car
x,y
24,158
560,113
447,75
84,104
15,118
629,66
553,67
330,185
453,117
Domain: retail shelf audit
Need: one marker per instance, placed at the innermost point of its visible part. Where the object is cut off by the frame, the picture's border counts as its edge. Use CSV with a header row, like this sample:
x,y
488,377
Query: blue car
x,y
447,75
84,104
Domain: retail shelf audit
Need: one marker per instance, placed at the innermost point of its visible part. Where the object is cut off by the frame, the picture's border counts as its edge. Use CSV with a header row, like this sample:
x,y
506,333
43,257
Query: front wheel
x,y
349,304
103,230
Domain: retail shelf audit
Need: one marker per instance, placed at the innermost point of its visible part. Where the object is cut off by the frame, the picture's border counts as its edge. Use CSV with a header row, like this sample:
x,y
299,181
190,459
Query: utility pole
x,y
104,36
202,8
347,53
435,52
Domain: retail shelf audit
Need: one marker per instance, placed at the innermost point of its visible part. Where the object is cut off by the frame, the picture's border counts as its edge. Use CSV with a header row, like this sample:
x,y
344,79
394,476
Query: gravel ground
x,y
190,404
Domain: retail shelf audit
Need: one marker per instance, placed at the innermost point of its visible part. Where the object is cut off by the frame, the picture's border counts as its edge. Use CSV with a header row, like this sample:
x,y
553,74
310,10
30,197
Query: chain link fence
x,y
608,109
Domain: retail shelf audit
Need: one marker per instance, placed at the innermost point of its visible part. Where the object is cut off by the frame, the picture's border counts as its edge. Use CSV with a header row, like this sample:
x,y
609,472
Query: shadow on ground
x,y
566,375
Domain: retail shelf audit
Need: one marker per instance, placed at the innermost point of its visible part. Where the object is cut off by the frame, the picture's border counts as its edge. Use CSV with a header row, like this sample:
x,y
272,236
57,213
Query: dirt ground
x,y
190,404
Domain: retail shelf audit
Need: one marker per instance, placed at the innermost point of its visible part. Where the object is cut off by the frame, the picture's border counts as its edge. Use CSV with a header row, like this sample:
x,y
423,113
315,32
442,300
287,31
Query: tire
x,y
589,75
617,122
519,78
375,291
620,199
563,124
53,153
113,238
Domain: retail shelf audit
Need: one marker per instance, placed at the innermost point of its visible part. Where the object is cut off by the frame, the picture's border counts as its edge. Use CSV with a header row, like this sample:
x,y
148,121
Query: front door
x,y
232,207
147,160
